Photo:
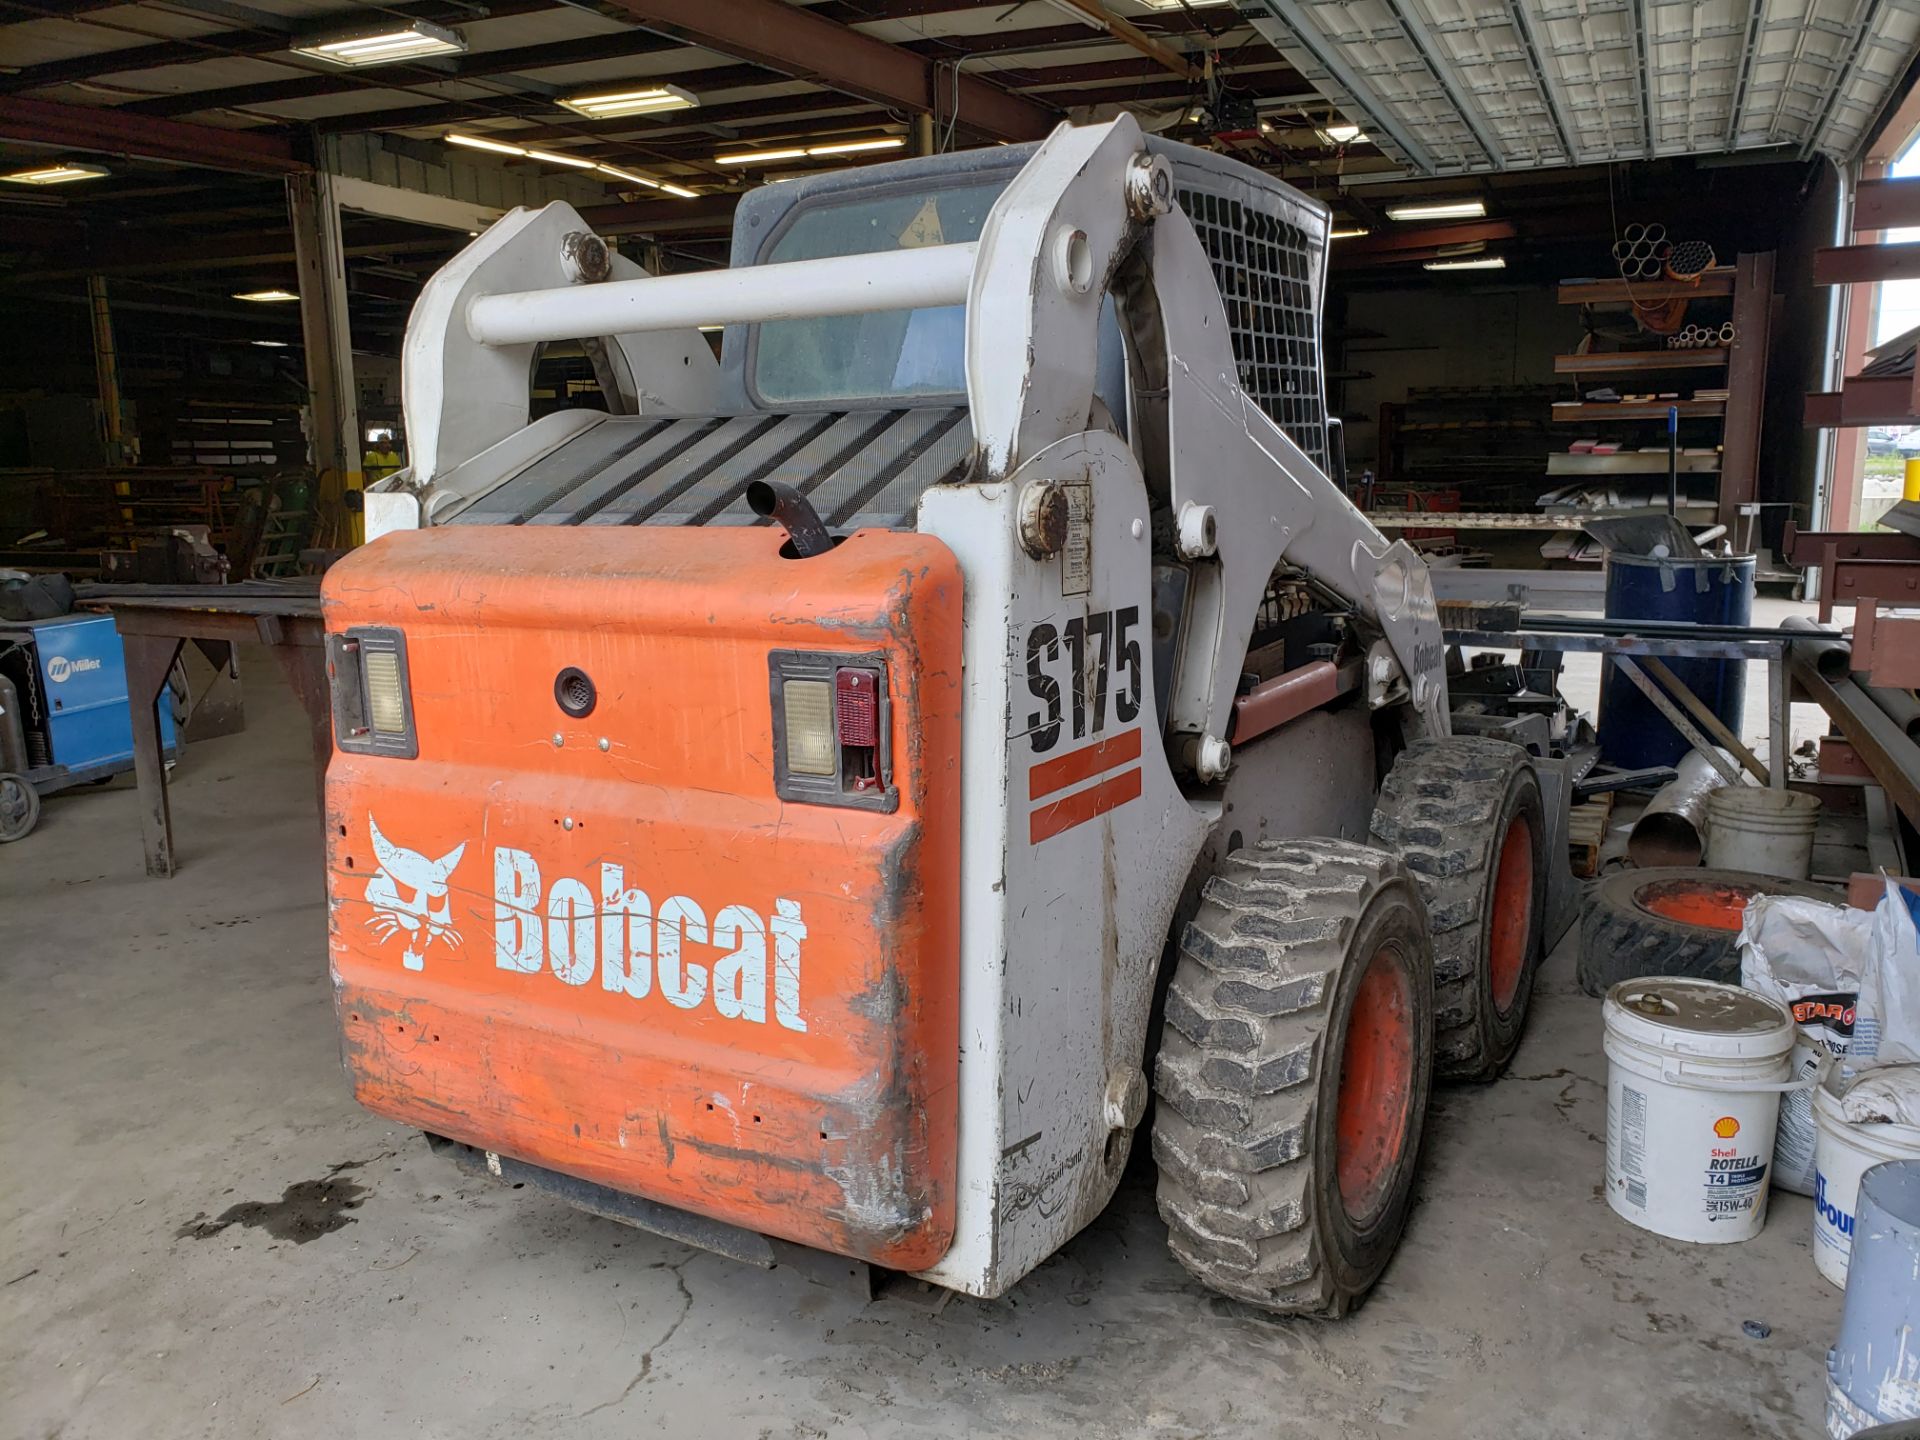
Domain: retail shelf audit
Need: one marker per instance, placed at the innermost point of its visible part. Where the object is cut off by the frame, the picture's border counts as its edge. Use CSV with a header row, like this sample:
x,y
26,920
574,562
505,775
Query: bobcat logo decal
x,y
410,895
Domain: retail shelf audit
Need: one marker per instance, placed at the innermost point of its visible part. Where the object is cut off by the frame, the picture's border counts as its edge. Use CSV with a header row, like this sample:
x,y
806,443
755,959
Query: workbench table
x,y
156,620
1627,640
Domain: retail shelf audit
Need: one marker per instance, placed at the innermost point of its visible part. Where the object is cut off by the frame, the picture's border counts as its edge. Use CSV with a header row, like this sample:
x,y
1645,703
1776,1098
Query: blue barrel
x,y
1633,734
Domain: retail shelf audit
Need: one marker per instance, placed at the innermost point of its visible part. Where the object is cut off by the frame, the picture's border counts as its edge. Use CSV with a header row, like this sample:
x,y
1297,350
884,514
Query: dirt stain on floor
x,y
306,1210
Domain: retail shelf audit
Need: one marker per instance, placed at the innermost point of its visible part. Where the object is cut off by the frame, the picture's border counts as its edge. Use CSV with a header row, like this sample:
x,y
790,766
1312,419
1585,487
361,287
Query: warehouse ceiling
x,y
197,109
1450,86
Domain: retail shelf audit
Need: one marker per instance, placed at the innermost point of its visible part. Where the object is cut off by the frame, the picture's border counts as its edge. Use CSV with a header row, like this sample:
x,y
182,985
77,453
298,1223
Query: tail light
x,y
372,702
832,729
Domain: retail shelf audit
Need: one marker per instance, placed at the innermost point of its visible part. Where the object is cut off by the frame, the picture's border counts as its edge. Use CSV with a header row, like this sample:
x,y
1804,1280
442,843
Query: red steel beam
x,y
1746,384
1809,547
1864,264
1886,205
705,214
822,52
99,128
1863,400
1388,244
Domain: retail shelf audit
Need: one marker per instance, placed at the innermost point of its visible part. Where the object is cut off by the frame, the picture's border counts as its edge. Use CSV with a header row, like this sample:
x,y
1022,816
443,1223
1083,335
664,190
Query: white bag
x,y
1884,1095
1888,1031
1809,956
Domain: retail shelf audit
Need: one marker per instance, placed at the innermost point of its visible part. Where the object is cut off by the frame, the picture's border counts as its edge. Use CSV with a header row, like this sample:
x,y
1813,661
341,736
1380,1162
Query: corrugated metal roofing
x,y
1456,86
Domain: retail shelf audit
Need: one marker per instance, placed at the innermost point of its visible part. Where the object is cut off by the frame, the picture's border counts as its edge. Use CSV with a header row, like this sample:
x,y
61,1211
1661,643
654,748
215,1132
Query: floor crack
x,y
646,1358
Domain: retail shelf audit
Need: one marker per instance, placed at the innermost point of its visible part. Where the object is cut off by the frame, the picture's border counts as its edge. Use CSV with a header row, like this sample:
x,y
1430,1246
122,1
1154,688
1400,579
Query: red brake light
x,y
856,697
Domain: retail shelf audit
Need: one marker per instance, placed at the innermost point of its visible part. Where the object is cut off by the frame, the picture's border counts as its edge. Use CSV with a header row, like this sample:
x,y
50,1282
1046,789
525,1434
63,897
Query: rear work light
x,y
832,727
372,702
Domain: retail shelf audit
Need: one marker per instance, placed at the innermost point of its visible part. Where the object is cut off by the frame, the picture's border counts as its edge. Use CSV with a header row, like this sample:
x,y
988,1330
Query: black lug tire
x,y
1249,1068
1620,939
1445,808
19,807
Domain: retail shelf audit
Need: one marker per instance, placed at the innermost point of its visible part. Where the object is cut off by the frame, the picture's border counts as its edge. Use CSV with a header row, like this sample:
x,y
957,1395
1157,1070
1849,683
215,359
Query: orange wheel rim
x,y
1512,920
1376,1084
1713,904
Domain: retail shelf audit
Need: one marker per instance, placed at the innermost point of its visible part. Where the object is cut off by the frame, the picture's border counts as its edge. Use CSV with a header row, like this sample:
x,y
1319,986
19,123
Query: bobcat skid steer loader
x,y
774,811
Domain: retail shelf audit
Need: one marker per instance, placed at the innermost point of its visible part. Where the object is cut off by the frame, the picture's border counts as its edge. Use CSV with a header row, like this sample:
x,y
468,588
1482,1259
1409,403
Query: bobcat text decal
x,y
565,928
573,933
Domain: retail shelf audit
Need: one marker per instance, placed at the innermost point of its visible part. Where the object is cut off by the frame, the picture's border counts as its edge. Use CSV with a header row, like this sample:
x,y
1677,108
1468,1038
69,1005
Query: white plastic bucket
x,y
1764,832
1843,1151
1694,1079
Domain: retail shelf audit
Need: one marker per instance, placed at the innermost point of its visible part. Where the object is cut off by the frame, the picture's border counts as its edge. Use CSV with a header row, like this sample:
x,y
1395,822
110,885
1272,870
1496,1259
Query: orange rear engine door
x,y
601,941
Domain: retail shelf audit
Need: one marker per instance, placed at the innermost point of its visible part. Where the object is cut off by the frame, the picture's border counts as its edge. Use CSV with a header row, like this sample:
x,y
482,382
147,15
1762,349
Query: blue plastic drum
x,y
1717,591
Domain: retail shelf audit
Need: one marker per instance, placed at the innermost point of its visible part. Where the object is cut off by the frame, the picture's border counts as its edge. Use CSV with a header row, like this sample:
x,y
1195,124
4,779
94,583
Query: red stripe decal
x,y
1077,809
1077,765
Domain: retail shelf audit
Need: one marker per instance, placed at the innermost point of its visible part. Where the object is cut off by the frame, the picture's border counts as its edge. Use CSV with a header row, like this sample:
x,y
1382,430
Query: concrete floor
x,y
202,1235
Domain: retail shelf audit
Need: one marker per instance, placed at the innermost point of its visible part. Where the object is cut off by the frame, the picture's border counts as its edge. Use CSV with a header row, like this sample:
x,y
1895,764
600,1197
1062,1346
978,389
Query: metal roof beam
x,y
1559,106
1163,55
823,52
83,127
1375,115
1411,23
135,253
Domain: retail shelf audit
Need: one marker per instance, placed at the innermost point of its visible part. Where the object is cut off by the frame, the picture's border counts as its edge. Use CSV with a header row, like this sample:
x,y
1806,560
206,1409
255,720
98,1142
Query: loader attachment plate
x,y
578,926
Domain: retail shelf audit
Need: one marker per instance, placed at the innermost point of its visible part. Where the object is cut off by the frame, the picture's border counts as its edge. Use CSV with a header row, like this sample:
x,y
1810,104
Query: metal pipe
x,y
931,275
1900,705
791,510
1886,749
1672,830
1597,625
1824,649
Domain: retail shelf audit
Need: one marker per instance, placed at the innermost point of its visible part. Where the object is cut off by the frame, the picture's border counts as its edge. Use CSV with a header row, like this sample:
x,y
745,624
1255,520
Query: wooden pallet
x,y
1587,834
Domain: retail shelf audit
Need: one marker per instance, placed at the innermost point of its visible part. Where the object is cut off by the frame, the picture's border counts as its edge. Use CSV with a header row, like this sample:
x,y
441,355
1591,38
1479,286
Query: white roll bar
x,y
790,290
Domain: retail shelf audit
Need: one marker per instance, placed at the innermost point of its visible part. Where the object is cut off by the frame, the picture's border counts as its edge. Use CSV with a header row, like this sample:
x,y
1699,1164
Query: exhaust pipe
x,y
794,513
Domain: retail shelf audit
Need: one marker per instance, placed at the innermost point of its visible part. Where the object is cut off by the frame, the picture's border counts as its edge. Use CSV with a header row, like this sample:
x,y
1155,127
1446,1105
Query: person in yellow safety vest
x,y
381,459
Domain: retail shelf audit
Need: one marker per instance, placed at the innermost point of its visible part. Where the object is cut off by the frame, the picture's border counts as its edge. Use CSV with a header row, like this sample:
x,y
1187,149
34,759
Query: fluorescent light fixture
x,y
480,142
651,100
1482,262
757,157
849,147
1439,210
802,152
1178,5
58,174
619,174
1344,134
1352,234
709,329
384,44
270,344
572,162
266,297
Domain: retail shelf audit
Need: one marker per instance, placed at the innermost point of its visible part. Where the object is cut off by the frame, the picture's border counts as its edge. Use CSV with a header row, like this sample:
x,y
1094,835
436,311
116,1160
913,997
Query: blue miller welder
x,y
63,712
